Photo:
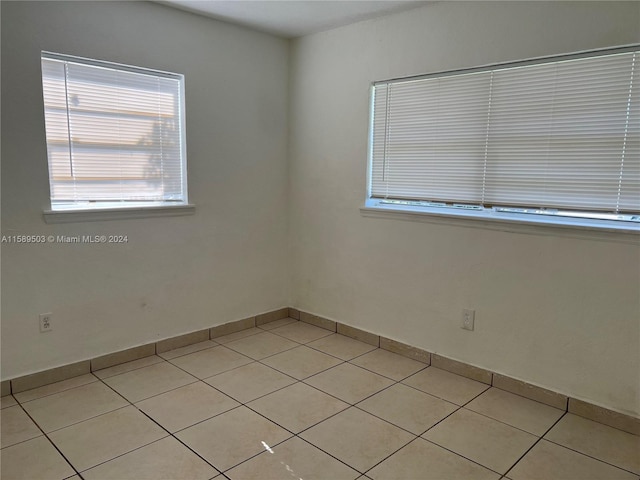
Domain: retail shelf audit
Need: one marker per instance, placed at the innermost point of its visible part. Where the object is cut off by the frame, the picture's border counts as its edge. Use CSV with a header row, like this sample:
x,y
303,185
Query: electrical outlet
x,y
468,319
46,322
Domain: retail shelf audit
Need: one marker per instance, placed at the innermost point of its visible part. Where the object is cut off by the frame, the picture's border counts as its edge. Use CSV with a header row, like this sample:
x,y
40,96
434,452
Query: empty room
x,y
331,240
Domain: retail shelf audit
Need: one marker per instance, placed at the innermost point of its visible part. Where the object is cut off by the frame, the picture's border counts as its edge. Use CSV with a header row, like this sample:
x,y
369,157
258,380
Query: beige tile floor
x,y
292,401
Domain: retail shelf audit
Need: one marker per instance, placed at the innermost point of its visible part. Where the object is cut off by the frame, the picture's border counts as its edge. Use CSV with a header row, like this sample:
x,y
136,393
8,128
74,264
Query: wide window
x,y
554,137
115,135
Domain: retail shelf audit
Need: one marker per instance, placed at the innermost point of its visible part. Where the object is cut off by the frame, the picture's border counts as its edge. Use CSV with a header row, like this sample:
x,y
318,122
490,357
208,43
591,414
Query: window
x,y
115,135
552,141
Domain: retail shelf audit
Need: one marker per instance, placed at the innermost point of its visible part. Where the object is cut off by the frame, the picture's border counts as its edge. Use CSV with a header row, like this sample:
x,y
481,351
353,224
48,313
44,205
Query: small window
x,y
558,137
115,135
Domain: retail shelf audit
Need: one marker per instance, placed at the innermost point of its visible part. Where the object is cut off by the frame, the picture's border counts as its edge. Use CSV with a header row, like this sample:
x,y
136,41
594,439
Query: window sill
x,y
509,222
116,213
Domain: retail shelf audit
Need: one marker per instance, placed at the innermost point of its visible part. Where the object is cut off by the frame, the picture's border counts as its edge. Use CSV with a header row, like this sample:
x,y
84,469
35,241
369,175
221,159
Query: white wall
x,y
554,310
175,275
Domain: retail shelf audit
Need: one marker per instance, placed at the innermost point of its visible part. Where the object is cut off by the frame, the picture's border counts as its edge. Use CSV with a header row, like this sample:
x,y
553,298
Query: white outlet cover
x,y
46,322
468,319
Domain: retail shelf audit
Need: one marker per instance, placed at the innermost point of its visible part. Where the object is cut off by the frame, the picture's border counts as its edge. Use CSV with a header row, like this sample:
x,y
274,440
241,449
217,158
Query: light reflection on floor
x,y
287,467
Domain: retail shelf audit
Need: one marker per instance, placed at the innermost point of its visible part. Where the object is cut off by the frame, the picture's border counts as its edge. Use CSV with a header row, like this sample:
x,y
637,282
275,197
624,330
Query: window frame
x,y
119,209
493,217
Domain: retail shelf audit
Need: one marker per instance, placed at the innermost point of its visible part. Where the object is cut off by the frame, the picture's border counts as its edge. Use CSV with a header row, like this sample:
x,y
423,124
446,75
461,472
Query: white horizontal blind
x,y
561,134
113,135
630,183
431,137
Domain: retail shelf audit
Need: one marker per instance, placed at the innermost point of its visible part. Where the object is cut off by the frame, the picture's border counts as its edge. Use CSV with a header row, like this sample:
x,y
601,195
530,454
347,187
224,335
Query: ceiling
x,y
293,18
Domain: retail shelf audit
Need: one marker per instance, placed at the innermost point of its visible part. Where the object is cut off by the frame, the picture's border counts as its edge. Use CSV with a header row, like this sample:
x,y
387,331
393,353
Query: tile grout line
x,y
223,393
586,454
26,440
161,393
327,453
505,423
196,380
329,332
449,415
384,419
52,443
300,380
268,356
322,391
215,344
390,455
253,399
130,405
88,418
181,442
564,409
249,335
102,381
127,371
534,444
202,379
542,437
322,450
460,455
441,398
456,410
375,416
508,424
419,434
199,421
390,378
167,431
340,358
55,393
306,428
123,454
255,455
215,374
353,405
280,389
567,447
335,356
